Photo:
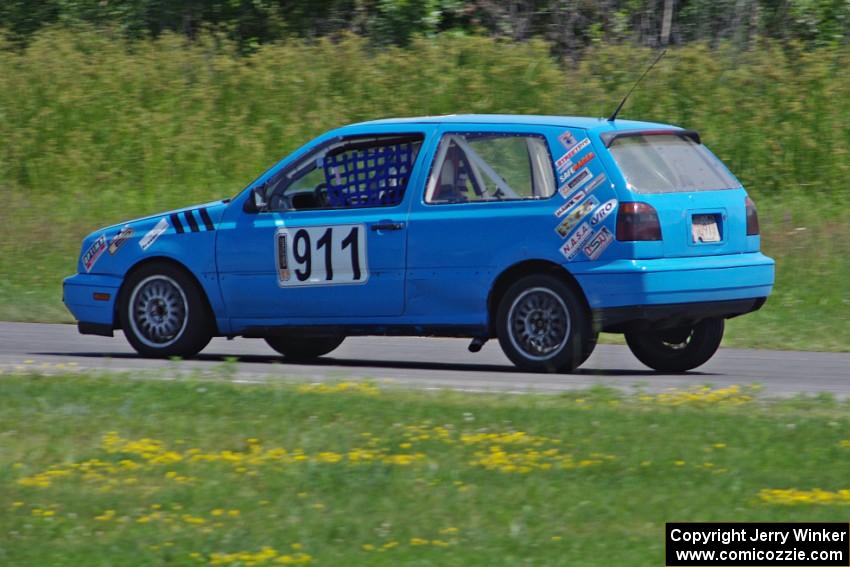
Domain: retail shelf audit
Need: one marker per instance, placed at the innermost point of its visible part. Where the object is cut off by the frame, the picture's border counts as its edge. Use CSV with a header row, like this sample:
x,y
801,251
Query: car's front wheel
x,y
163,312
304,348
678,349
542,325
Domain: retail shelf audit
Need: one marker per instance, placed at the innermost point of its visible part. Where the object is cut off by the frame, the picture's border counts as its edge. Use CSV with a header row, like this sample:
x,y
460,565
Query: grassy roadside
x,y
112,470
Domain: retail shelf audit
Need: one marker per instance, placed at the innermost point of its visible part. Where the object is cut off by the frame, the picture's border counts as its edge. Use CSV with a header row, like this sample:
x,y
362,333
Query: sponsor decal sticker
x,y
595,183
602,212
119,239
575,182
154,233
95,251
575,216
282,263
573,245
598,243
572,202
572,168
564,160
582,162
567,140
575,150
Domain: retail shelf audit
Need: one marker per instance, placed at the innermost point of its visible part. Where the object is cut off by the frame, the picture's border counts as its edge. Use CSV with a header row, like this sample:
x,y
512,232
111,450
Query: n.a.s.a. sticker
x,y
575,216
603,212
598,243
95,251
119,239
573,245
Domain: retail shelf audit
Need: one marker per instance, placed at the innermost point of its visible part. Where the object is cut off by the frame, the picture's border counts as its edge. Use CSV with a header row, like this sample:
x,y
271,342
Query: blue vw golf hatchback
x,y
540,231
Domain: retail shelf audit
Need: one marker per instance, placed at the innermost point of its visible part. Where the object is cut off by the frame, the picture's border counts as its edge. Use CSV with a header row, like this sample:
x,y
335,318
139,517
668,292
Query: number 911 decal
x,y
321,255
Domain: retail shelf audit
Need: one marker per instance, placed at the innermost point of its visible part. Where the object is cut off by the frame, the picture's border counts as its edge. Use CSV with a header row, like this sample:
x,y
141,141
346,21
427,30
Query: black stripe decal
x,y
193,224
175,220
205,216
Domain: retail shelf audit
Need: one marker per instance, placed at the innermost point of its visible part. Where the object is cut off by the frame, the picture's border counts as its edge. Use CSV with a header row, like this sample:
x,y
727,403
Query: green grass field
x,y
112,470
95,130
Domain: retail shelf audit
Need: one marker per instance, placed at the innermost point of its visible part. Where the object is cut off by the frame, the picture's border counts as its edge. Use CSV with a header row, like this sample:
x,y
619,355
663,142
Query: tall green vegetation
x,y
568,26
94,130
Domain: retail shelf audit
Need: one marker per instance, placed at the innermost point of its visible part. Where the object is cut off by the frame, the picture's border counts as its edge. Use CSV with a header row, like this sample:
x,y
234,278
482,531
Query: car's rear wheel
x,y
542,325
678,349
304,348
163,312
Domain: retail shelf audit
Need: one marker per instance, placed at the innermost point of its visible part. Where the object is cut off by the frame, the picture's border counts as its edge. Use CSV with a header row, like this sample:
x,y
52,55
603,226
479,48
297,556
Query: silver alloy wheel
x,y
159,311
538,323
676,339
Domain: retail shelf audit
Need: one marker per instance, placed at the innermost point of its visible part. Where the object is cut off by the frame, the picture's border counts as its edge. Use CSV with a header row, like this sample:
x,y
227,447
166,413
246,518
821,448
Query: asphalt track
x,y
419,363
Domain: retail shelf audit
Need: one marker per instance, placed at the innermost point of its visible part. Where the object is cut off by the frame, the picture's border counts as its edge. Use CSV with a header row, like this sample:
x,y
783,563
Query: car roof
x,y
582,122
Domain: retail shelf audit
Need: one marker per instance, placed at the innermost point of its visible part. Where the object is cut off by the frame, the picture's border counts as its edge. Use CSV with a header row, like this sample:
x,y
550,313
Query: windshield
x,y
669,163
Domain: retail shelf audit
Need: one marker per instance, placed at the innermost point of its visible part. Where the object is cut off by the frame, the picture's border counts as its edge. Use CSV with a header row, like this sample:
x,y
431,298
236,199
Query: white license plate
x,y
704,228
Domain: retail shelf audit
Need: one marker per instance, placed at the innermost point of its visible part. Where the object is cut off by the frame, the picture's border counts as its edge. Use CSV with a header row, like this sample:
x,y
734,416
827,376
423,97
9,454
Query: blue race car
x,y
541,231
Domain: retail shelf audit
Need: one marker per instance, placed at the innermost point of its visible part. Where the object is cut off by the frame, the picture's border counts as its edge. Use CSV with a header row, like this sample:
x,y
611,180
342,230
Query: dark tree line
x,y
568,24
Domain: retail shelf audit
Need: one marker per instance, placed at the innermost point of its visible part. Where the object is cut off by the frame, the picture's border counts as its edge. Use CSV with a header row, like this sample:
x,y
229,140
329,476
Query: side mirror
x,y
257,202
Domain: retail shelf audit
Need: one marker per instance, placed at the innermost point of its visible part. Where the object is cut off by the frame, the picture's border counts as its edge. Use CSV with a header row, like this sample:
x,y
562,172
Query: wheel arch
x,y
526,268
116,316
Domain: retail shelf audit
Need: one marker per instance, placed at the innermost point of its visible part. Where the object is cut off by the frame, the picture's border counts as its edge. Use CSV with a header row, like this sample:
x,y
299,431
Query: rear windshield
x,y
667,163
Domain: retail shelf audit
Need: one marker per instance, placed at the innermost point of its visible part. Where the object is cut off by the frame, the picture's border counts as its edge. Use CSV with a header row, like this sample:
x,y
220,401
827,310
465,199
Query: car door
x,y
329,247
487,204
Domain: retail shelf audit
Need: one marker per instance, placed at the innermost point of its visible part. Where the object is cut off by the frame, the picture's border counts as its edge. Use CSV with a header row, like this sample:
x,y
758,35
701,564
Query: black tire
x,y
589,347
543,326
163,312
304,348
679,349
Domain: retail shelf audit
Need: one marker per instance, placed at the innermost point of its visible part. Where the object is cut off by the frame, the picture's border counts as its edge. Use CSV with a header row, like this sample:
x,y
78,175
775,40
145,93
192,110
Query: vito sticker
x,y
119,239
95,251
602,212
154,233
575,216
567,139
598,243
576,240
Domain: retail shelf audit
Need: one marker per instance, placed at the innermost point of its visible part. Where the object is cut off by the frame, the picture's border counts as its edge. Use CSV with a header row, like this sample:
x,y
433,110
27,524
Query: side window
x,y
490,167
350,173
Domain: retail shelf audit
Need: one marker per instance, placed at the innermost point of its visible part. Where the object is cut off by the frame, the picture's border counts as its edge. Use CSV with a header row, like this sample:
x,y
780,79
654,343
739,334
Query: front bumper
x,y
663,281
78,294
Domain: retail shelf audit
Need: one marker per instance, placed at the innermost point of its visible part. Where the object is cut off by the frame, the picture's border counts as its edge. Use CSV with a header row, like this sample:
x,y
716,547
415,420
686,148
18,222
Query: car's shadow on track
x,y
330,361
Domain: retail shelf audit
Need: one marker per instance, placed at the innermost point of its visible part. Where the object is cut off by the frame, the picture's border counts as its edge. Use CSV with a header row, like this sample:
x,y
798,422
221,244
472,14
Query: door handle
x,y
387,225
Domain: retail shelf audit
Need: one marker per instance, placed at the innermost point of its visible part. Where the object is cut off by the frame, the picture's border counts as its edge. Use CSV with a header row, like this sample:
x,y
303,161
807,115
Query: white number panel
x,y
321,255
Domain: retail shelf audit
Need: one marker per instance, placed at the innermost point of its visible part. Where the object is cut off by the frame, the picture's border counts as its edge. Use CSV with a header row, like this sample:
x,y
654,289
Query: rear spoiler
x,y
609,137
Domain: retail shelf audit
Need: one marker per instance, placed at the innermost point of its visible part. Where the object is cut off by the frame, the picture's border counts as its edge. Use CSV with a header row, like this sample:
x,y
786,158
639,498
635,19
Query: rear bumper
x,y
668,281
618,319
78,294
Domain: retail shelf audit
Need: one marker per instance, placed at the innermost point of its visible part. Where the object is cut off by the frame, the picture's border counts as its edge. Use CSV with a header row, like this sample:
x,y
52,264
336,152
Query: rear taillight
x,y
752,218
637,221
